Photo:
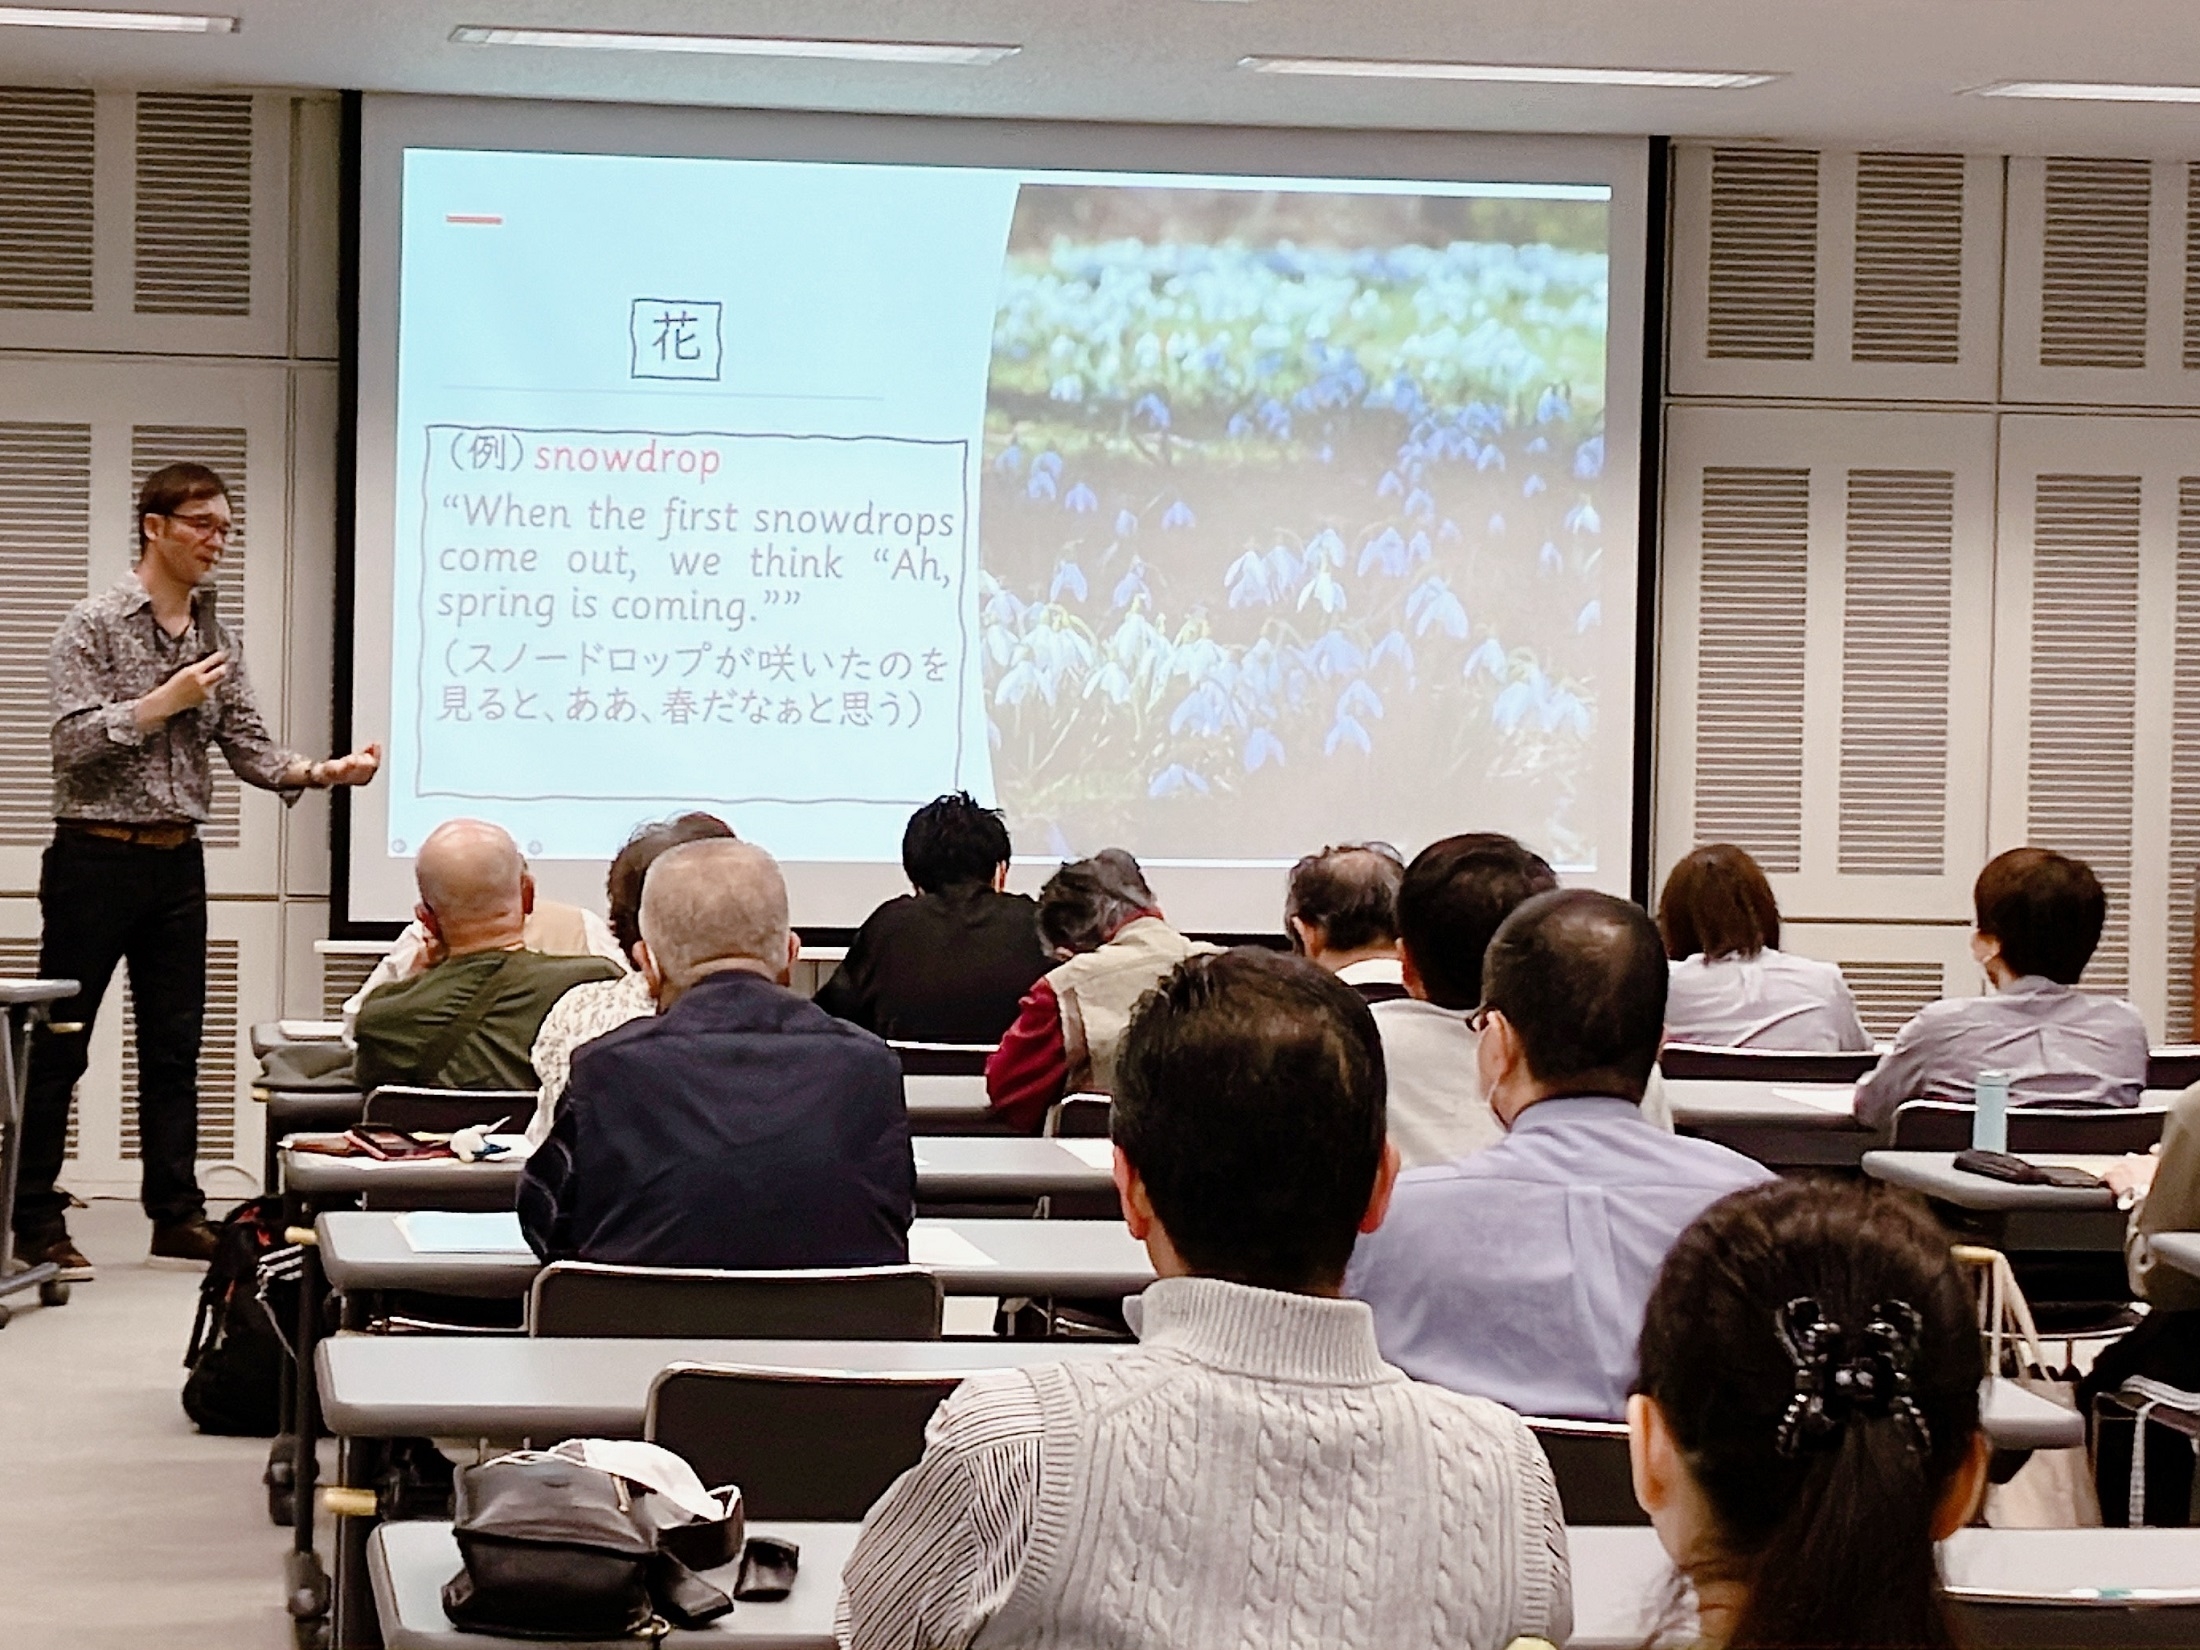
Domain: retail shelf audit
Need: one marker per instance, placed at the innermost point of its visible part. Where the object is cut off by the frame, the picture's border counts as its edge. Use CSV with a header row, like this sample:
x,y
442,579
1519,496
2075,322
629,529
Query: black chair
x,y
866,1303
1078,1117
1692,1060
2103,1131
1589,1460
942,1059
801,1445
2173,1068
445,1111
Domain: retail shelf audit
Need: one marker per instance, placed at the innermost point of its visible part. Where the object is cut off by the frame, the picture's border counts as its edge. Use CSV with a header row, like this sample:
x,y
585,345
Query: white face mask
x,y
651,1466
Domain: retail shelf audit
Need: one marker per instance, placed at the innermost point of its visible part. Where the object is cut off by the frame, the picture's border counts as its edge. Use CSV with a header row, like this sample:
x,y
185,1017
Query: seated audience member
x,y
1340,910
2040,915
740,1126
1450,901
1099,916
1252,1472
949,963
1732,986
469,1021
588,1011
1806,1424
1519,1273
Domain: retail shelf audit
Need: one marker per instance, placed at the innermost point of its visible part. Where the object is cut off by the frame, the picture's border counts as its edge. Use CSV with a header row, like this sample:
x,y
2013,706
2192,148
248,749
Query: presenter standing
x,y
145,678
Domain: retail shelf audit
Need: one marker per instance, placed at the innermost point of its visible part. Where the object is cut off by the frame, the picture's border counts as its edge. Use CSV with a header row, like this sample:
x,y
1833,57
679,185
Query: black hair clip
x,y
1873,1379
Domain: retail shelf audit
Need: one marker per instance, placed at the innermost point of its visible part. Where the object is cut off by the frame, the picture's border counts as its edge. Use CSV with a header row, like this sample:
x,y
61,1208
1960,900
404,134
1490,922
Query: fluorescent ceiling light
x,y
2090,91
151,22
735,45
1523,74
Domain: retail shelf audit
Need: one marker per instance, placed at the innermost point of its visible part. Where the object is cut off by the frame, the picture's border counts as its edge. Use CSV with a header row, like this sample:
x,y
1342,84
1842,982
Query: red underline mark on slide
x,y
490,218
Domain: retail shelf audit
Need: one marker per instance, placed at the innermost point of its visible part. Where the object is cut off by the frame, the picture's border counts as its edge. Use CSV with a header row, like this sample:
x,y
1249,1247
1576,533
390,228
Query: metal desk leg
x,y
305,1582
15,1054
360,1464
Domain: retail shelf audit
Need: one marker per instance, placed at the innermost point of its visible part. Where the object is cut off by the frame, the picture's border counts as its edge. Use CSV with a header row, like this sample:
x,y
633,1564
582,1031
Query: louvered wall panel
x,y
1764,255
194,204
1896,635
2094,256
1749,705
45,199
217,1061
2184,808
45,535
2192,270
1888,993
341,975
1909,259
2084,689
223,451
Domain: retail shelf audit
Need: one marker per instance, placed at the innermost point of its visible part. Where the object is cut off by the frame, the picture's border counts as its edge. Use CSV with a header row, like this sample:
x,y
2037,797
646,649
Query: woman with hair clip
x,y
1805,1423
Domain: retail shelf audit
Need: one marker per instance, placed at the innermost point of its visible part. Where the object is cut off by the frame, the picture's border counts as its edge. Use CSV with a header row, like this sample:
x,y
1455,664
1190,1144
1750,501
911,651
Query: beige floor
x,y
120,1526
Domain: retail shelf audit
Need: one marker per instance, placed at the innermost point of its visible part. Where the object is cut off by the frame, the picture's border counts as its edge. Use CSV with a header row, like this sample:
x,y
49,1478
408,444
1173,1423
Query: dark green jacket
x,y
401,1022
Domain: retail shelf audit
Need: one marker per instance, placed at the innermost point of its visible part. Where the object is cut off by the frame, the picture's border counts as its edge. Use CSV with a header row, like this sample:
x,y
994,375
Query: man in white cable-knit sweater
x,y
1252,1474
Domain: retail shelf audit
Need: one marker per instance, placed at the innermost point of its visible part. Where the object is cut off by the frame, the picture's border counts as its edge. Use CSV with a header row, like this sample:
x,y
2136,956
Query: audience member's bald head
x,y
714,907
1581,979
474,887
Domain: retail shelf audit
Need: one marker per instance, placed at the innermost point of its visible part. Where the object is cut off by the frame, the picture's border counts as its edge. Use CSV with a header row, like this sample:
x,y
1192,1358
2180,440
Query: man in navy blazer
x,y
740,1126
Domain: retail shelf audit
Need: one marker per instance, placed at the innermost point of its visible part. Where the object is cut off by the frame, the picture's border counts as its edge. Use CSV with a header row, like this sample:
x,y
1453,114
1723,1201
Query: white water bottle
x,y
1990,1118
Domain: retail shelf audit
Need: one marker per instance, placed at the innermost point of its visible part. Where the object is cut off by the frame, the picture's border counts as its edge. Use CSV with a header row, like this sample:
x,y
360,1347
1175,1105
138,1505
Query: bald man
x,y
469,1022
741,1126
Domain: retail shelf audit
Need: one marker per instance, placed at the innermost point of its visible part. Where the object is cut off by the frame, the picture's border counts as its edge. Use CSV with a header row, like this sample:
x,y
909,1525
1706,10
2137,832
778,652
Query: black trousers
x,y
103,903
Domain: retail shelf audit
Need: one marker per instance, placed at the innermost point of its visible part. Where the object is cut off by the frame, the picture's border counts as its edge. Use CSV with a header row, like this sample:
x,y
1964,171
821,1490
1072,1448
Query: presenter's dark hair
x,y
2045,908
167,490
1451,901
1349,893
630,869
1717,903
1249,1097
952,840
1581,977
1085,902
1831,1545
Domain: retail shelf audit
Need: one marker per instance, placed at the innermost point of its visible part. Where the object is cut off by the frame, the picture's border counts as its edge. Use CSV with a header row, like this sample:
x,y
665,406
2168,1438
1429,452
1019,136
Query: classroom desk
x,y
274,1034
2010,1216
363,1251
1781,1125
945,1104
317,1175
2178,1249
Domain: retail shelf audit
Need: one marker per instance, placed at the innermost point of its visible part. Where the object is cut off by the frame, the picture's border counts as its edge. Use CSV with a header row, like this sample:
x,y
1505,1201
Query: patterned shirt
x,y
110,653
581,1016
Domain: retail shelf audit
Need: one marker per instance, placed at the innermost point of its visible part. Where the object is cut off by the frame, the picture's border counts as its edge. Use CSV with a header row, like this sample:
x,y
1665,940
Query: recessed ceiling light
x,y
1524,74
152,22
2090,91
735,45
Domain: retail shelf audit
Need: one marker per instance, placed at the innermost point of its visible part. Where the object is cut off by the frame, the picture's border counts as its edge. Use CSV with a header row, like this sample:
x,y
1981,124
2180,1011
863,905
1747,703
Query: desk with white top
x,y
2008,1215
1781,1125
2178,1249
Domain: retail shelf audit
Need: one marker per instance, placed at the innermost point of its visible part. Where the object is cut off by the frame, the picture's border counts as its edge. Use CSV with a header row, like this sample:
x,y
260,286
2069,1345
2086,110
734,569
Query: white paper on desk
x,y
442,1232
311,1031
940,1246
1842,1102
1094,1154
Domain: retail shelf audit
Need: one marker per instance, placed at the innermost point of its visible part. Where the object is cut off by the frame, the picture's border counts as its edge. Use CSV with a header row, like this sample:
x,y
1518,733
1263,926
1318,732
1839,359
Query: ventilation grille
x,y
45,199
1888,993
2093,284
1909,259
2184,782
217,1061
341,975
194,203
2085,635
1894,671
45,550
2192,268
1764,255
1749,702
222,451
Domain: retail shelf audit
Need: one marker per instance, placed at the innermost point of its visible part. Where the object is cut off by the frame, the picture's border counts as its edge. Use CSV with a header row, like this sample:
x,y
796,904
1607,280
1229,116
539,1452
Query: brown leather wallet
x,y
142,836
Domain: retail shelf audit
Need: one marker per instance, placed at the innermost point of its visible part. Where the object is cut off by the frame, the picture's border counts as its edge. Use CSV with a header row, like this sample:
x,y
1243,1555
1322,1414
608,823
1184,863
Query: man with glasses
x,y
145,678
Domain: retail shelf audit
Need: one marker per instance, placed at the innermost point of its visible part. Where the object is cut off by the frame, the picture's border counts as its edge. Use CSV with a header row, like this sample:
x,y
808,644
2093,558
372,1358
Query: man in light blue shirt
x,y
1520,1273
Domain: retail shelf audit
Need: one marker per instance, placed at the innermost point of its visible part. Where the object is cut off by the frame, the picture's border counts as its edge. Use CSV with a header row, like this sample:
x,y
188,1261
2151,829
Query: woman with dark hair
x,y
1805,1422
1732,985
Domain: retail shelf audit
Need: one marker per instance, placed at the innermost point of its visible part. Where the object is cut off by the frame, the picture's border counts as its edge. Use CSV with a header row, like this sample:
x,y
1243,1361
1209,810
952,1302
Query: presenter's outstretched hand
x,y
191,686
356,769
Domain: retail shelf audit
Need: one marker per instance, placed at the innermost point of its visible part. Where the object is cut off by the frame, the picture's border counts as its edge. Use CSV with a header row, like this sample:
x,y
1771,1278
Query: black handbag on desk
x,y
557,1550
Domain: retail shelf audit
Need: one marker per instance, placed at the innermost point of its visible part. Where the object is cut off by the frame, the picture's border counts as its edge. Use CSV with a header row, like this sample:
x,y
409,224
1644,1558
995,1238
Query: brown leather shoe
x,y
190,1239
56,1247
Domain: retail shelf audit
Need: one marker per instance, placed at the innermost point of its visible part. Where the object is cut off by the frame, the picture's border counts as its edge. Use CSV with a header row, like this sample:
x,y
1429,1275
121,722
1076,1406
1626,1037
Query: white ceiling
x,y
1874,72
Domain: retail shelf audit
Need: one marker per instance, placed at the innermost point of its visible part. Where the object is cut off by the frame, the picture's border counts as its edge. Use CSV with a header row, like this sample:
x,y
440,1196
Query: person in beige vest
x,y
1100,917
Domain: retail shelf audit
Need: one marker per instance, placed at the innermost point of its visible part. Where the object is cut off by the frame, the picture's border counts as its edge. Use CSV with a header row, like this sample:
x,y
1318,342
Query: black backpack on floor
x,y
240,1353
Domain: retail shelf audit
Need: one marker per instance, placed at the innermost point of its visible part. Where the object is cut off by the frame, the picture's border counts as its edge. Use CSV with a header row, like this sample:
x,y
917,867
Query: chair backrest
x,y
2173,1068
441,1111
801,1445
865,1303
1078,1117
1765,1065
1589,1461
942,1059
2108,1131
